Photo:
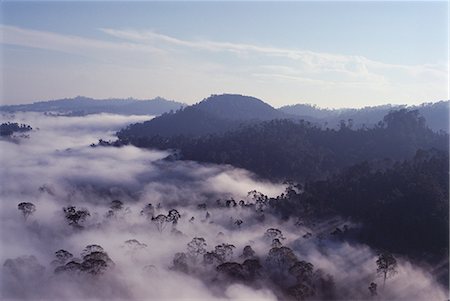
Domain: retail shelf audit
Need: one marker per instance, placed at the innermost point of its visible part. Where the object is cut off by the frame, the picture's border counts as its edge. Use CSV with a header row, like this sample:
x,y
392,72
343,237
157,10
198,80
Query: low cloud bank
x,y
56,168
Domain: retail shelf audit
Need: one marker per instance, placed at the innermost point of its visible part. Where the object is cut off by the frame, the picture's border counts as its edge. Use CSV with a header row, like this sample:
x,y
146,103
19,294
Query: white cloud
x,y
147,63
67,43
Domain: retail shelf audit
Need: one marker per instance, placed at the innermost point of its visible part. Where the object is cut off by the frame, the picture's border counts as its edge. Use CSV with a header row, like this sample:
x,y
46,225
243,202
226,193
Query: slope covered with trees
x,y
281,149
435,113
215,114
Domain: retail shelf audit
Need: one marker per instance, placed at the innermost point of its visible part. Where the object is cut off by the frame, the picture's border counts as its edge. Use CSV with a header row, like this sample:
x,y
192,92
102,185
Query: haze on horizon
x,y
340,54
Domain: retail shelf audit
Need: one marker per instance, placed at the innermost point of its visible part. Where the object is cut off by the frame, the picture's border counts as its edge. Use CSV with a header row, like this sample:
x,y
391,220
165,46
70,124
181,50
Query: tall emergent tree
x,y
386,266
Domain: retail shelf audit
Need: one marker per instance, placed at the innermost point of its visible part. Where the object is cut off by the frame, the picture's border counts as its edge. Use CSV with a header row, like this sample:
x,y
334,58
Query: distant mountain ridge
x,y
436,114
215,114
80,106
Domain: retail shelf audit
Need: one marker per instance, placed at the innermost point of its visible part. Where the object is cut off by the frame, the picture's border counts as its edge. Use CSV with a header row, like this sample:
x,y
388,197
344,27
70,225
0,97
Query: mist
x,y
55,167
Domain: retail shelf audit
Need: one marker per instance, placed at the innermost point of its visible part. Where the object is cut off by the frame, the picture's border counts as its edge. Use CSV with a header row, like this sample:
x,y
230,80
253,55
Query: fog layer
x,y
55,167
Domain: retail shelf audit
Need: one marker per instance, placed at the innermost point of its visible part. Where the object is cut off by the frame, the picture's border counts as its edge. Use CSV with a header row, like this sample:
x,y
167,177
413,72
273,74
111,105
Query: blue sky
x,y
333,54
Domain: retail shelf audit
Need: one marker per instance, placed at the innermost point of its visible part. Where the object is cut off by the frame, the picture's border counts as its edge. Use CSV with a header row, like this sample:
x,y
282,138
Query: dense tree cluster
x,y
94,260
403,208
287,149
291,278
9,128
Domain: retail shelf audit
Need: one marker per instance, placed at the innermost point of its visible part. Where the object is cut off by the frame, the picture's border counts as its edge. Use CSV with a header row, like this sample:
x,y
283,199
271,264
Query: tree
x,y
212,258
248,253
386,266
75,216
281,258
260,200
224,251
302,271
180,262
95,260
115,207
62,257
252,268
273,233
173,216
301,291
26,208
160,222
373,289
232,270
276,243
134,245
196,247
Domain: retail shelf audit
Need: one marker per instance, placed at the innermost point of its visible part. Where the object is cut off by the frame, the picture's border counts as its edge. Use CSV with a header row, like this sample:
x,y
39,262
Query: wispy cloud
x,y
67,43
307,61
152,61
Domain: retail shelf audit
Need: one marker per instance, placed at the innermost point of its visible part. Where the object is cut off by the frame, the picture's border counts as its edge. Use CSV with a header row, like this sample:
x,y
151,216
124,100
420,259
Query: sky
x,y
332,54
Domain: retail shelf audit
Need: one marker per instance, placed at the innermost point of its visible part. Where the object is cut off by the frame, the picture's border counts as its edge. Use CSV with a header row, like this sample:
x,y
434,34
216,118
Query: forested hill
x,y
215,114
80,106
436,114
289,149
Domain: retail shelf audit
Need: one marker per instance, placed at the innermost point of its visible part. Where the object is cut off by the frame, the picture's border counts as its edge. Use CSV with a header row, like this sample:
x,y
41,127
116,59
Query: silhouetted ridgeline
x,y
436,114
80,106
280,149
216,114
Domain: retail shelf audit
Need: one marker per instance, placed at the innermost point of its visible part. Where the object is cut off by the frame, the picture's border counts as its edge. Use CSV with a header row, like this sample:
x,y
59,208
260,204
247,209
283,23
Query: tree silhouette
x,y
196,247
75,216
173,216
62,257
373,289
27,209
386,266
115,207
224,251
160,222
248,253
302,271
